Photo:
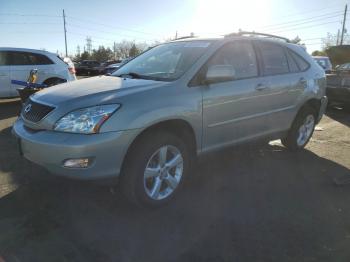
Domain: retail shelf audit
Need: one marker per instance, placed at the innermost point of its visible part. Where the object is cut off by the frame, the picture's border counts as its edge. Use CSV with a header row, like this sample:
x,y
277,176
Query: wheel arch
x,y
179,127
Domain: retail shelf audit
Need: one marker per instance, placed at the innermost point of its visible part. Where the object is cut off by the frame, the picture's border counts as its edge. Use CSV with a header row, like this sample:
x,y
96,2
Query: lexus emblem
x,y
27,108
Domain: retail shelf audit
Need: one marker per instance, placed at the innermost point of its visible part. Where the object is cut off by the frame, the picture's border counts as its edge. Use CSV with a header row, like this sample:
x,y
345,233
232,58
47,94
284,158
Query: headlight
x,y
86,120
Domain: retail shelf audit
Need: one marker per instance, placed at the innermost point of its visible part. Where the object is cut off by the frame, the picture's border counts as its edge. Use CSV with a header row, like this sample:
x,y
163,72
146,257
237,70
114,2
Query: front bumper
x,y
49,149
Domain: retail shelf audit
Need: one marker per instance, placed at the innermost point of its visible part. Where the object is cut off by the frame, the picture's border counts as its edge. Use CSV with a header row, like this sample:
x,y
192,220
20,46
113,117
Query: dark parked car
x,y
338,87
89,67
324,63
113,67
343,69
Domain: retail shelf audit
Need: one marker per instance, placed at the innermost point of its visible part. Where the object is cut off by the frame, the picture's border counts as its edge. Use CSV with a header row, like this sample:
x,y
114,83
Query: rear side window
x,y
302,64
3,58
26,58
19,58
39,59
274,59
293,67
240,55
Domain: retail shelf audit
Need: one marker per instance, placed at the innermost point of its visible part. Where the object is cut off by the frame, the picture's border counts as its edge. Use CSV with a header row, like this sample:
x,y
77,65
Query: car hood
x,y
102,89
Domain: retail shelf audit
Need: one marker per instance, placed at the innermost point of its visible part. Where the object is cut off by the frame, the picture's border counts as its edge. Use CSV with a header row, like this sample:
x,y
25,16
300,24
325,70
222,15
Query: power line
x,y
310,26
28,23
301,21
311,11
115,27
41,15
106,32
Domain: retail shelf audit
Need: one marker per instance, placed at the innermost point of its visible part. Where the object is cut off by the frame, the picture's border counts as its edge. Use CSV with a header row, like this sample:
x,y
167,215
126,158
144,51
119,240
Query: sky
x,y
39,24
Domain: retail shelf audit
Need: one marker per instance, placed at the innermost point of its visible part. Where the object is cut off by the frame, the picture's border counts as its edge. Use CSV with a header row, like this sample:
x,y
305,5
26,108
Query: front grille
x,y
34,112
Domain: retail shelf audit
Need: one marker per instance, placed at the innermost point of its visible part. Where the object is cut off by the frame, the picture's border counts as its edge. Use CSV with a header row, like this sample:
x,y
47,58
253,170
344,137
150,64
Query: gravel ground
x,y
249,203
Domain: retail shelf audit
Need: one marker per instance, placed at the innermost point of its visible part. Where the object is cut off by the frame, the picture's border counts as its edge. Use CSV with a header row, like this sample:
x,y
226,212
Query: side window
x,y
39,59
240,55
19,58
302,64
273,58
3,58
293,67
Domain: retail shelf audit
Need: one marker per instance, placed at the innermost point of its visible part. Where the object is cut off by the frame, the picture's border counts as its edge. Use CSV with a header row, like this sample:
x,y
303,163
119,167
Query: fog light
x,y
77,163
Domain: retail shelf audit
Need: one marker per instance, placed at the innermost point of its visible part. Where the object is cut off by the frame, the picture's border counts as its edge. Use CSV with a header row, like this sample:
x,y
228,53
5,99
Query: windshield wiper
x,y
138,76
133,75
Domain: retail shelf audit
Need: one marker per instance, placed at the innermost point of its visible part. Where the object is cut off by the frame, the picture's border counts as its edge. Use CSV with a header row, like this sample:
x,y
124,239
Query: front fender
x,y
145,120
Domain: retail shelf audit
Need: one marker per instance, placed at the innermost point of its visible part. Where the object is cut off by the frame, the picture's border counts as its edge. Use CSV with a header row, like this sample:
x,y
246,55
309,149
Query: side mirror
x,y
219,73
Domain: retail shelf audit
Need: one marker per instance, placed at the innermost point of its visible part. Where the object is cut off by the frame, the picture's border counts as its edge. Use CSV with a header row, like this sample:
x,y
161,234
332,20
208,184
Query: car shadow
x,y
339,114
9,108
243,204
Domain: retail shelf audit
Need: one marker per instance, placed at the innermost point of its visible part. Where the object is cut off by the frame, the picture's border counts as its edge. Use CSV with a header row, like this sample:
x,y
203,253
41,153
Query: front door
x,y
232,110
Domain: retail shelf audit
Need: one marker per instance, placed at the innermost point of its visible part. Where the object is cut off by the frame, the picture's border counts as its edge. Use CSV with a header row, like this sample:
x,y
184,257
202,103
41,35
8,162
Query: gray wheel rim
x,y
305,130
163,172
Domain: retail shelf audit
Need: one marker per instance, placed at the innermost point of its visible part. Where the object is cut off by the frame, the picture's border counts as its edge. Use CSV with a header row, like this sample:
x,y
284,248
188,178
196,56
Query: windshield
x,y
165,62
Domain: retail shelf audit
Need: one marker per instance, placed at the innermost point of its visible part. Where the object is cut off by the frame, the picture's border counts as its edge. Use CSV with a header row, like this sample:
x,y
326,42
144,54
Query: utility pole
x,y
88,44
343,30
176,35
338,35
65,31
115,50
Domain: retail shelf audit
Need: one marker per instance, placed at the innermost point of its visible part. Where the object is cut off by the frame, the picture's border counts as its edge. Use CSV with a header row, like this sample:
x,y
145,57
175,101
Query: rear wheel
x,y
155,169
302,129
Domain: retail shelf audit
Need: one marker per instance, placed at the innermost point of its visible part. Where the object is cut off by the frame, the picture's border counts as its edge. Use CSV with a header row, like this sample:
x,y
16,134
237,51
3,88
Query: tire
x,y
298,137
146,153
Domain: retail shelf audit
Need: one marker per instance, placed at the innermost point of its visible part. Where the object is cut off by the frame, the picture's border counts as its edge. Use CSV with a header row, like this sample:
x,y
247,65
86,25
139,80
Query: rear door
x,y
4,75
280,88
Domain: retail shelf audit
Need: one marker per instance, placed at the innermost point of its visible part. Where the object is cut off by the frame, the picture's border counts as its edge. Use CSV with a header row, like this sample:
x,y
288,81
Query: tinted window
x,y
293,67
240,55
26,58
19,58
302,64
3,58
273,58
38,59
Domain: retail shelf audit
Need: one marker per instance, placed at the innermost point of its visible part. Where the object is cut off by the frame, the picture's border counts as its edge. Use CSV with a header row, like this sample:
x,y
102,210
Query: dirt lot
x,y
251,203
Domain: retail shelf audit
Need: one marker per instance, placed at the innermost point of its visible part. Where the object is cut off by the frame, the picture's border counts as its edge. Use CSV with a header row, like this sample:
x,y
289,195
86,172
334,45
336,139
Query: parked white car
x,y
16,63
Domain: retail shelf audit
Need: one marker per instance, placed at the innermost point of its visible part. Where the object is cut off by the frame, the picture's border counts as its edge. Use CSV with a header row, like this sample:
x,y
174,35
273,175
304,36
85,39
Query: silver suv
x,y
147,122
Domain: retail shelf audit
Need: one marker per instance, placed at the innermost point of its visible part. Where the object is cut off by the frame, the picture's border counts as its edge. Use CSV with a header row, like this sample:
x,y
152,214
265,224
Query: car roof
x,y
233,37
25,50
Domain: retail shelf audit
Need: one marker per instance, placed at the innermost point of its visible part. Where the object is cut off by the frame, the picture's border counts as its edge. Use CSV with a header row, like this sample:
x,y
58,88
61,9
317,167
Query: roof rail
x,y
185,37
241,33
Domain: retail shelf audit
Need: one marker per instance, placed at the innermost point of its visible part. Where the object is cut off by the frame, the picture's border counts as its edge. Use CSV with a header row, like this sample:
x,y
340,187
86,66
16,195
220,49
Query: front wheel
x,y
302,129
155,169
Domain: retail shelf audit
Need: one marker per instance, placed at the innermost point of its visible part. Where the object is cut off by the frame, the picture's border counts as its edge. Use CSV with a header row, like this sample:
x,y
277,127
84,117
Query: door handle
x,y
260,87
303,81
